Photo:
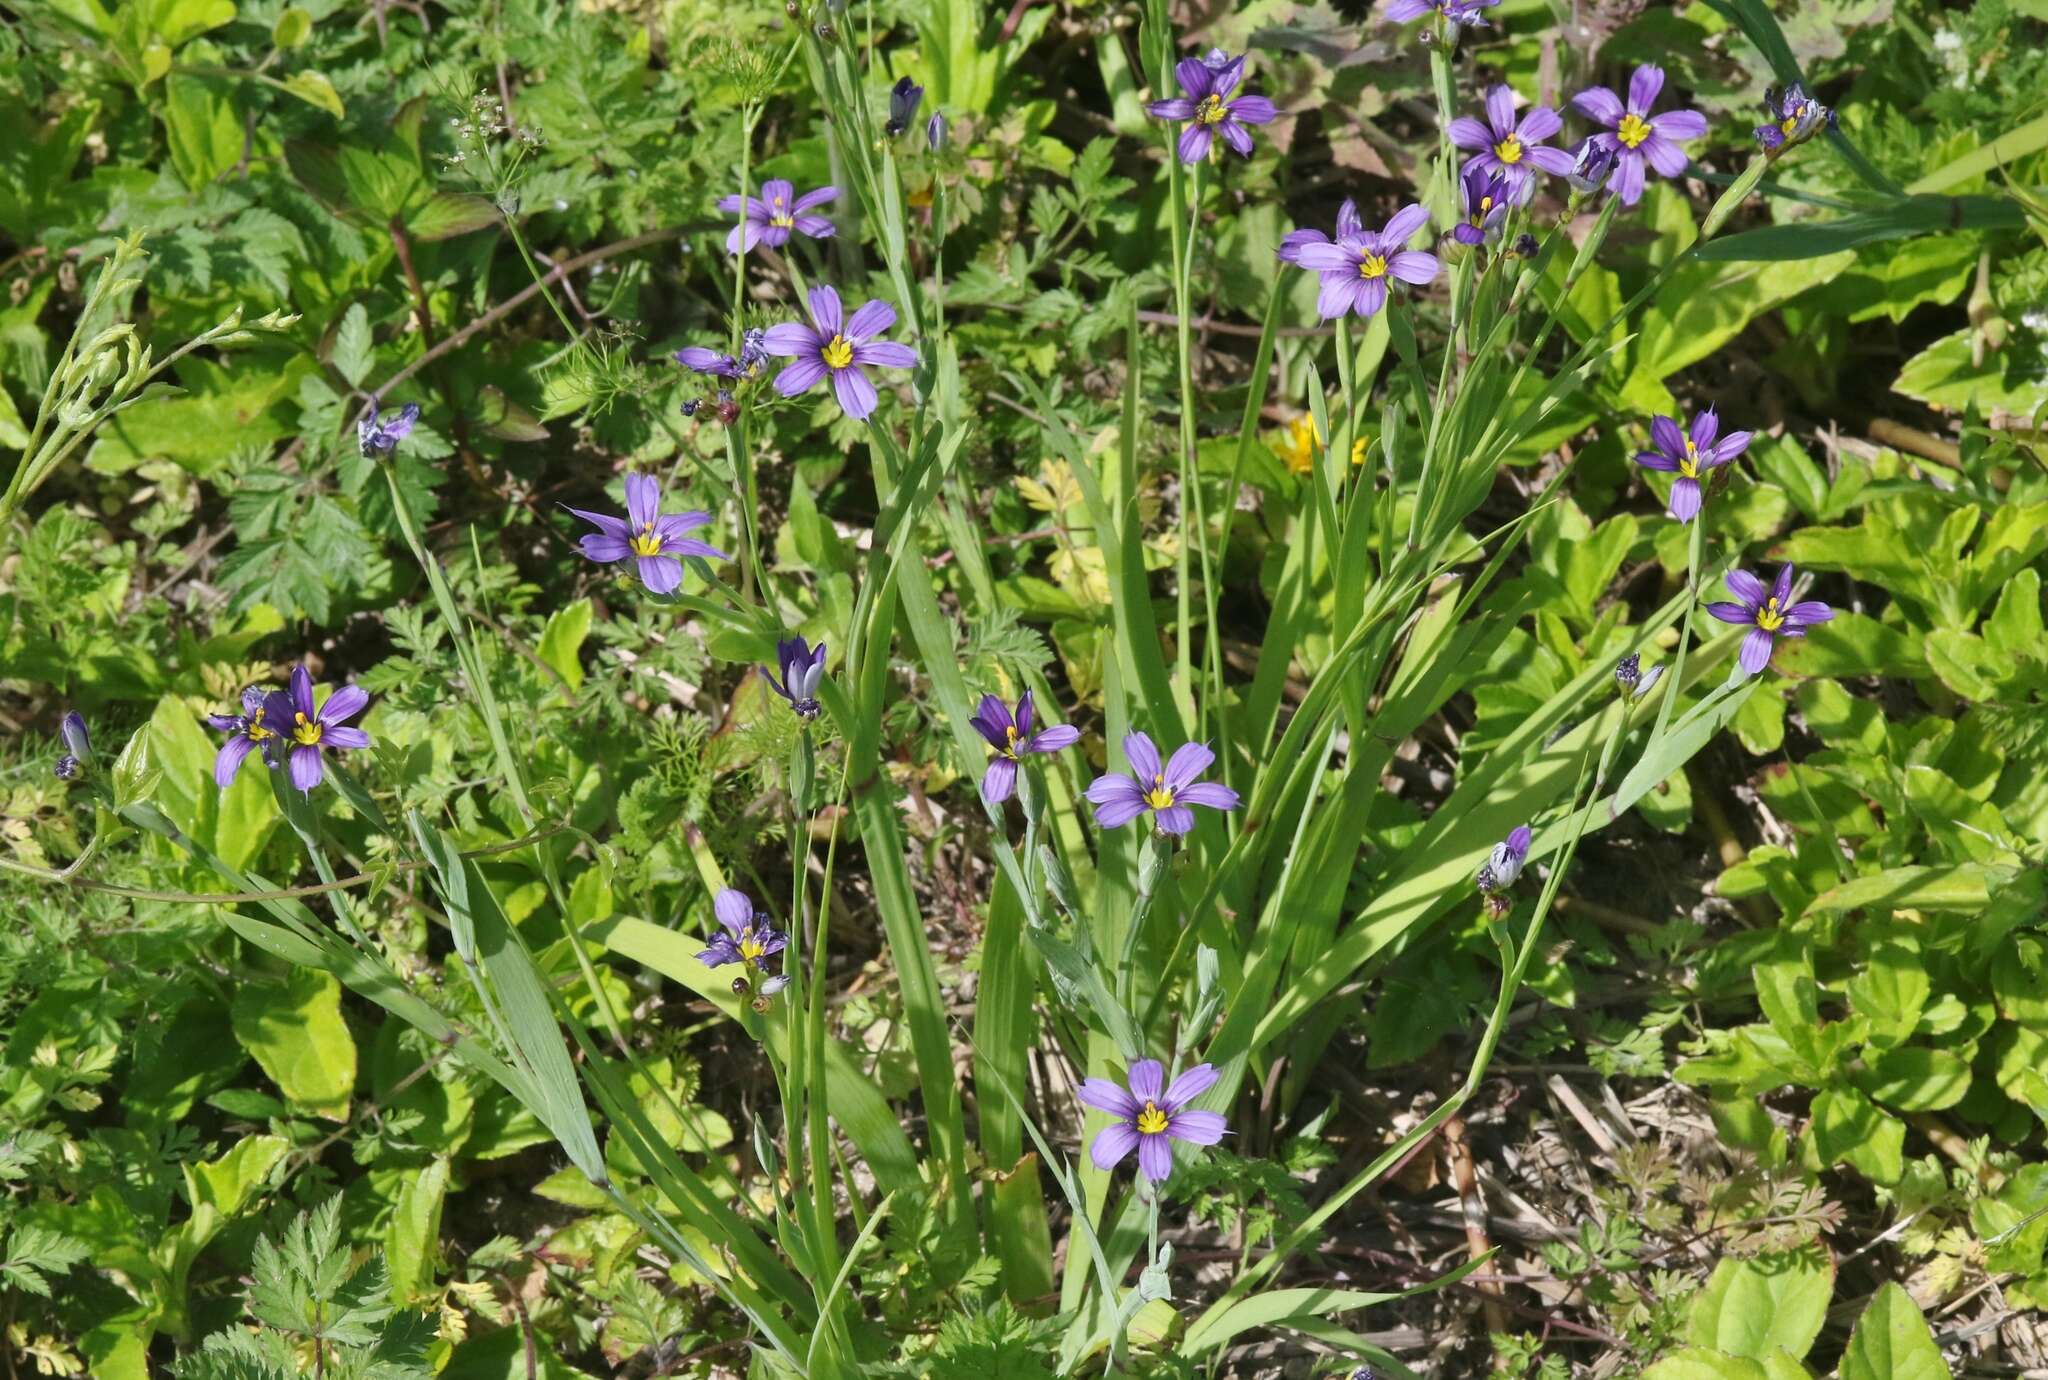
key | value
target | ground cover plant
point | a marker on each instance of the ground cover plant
(887, 690)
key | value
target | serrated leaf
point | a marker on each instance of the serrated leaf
(448, 214)
(354, 350)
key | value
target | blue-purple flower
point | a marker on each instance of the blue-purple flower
(1514, 150)
(1769, 614)
(1349, 227)
(773, 216)
(382, 437)
(1148, 1119)
(1592, 165)
(1482, 205)
(904, 98)
(1637, 134)
(1689, 452)
(1210, 109)
(753, 354)
(1795, 118)
(746, 936)
(1466, 12)
(802, 669)
(837, 346)
(1166, 791)
(78, 746)
(1355, 268)
(1013, 739)
(654, 541)
(307, 732)
(247, 731)
(1504, 865)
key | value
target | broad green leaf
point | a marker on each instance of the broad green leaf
(1891, 1342)
(1696, 1364)
(1962, 888)
(1891, 990)
(1754, 1307)
(448, 214)
(354, 350)
(291, 28)
(412, 1239)
(562, 639)
(1847, 1126)
(295, 1030)
(175, 21)
(1914, 1078)
(228, 1183)
(1946, 376)
(315, 90)
(204, 128)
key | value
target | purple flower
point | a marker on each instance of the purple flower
(802, 669)
(251, 729)
(1767, 614)
(1795, 118)
(747, 936)
(381, 438)
(1499, 871)
(1148, 1120)
(654, 541)
(753, 354)
(78, 742)
(1012, 738)
(1208, 107)
(1592, 165)
(1637, 135)
(306, 733)
(1349, 227)
(1456, 11)
(770, 217)
(1166, 791)
(904, 98)
(838, 347)
(1483, 200)
(1690, 453)
(1355, 269)
(1516, 151)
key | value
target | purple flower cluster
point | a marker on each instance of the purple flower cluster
(1210, 108)
(1150, 1116)
(291, 729)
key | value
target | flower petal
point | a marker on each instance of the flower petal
(800, 377)
(871, 320)
(1155, 1157)
(1806, 613)
(1756, 650)
(228, 760)
(1237, 136)
(1666, 157)
(1213, 794)
(990, 719)
(1324, 257)
(1468, 133)
(1705, 427)
(1179, 108)
(1681, 125)
(1187, 764)
(1197, 1128)
(1335, 296)
(1666, 436)
(661, 574)
(1413, 266)
(1403, 224)
(306, 769)
(817, 227)
(734, 909)
(1142, 756)
(1190, 1085)
(1116, 812)
(885, 354)
(344, 736)
(1746, 587)
(344, 704)
(1732, 613)
(1656, 460)
(301, 693)
(856, 395)
(815, 198)
(825, 312)
(1194, 144)
(1781, 588)
(1500, 110)
(1175, 820)
(1643, 87)
(1113, 1145)
(1370, 295)
(1106, 1095)
(1731, 445)
(1539, 122)
(791, 338)
(1254, 110)
(603, 547)
(1556, 162)
(643, 500)
(1685, 500)
(1348, 223)
(1194, 77)
(999, 780)
(1628, 176)
(1056, 738)
(1599, 105)
(1147, 1080)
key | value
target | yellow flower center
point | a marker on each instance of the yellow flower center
(307, 730)
(750, 945)
(1791, 122)
(1689, 463)
(1768, 617)
(1161, 794)
(1210, 111)
(255, 729)
(1151, 1121)
(784, 221)
(646, 543)
(1633, 129)
(1509, 150)
(838, 354)
(1372, 266)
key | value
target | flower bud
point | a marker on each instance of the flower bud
(904, 99)
(1592, 165)
(72, 730)
(935, 131)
